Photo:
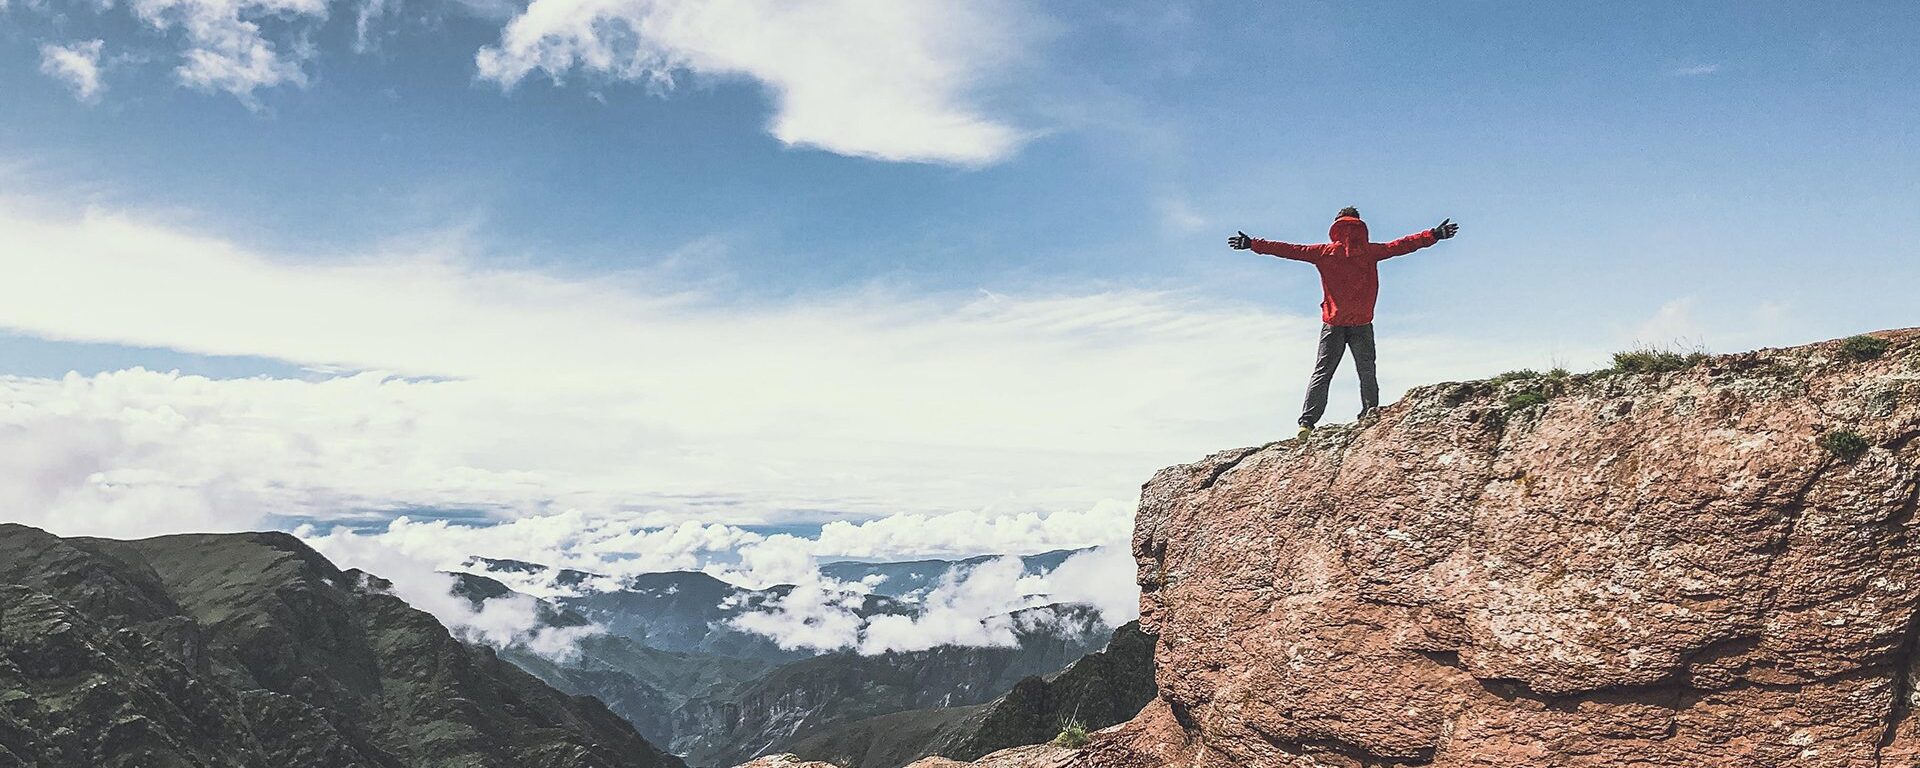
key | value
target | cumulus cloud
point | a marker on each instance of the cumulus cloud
(77, 65)
(225, 48)
(1695, 70)
(889, 79)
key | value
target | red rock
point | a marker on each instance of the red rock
(1648, 570)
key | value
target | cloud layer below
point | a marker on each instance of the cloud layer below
(975, 606)
(508, 393)
(621, 426)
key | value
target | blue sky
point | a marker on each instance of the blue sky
(1562, 137)
(993, 230)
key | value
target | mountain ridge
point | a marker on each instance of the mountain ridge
(251, 649)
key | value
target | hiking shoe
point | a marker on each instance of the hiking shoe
(1305, 429)
(1369, 414)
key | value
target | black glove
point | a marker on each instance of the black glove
(1240, 242)
(1446, 229)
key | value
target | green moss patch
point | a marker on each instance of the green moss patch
(1864, 347)
(1844, 443)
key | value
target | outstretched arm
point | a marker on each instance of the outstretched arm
(1241, 242)
(1419, 240)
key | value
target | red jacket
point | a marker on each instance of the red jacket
(1349, 271)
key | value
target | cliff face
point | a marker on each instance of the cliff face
(253, 650)
(1688, 568)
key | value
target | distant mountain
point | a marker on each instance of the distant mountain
(673, 665)
(243, 650)
(797, 700)
(644, 685)
(689, 612)
(717, 710)
(1102, 689)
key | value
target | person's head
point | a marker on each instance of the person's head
(1348, 228)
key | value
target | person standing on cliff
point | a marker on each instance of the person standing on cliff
(1350, 283)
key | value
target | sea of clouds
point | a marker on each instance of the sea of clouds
(624, 423)
(970, 606)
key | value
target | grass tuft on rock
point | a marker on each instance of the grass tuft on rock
(1073, 735)
(1864, 347)
(1524, 399)
(1529, 387)
(1653, 360)
(1509, 377)
(1844, 443)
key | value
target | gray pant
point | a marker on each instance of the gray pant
(1334, 341)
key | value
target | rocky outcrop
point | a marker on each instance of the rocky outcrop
(250, 650)
(1714, 566)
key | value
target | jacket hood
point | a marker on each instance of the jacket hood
(1348, 230)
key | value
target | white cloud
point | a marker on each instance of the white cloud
(888, 79)
(225, 46)
(369, 12)
(1695, 70)
(967, 532)
(994, 422)
(77, 65)
(969, 607)
(620, 427)
(1102, 577)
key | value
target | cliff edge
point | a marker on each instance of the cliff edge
(1715, 565)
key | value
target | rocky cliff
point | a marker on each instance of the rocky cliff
(251, 650)
(1710, 566)
(1676, 563)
